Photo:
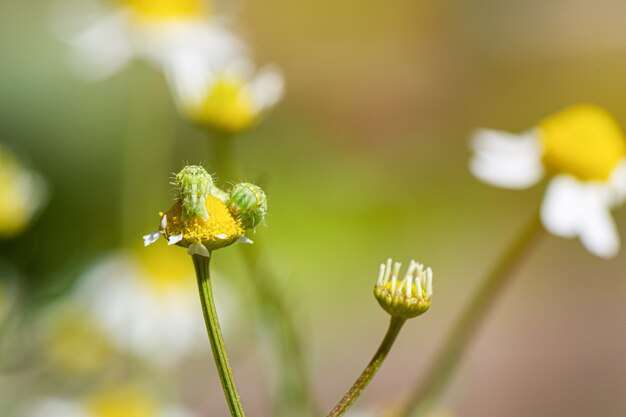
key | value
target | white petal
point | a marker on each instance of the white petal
(103, 48)
(506, 160)
(151, 238)
(561, 209)
(245, 240)
(598, 231)
(575, 209)
(174, 239)
(198, 249)
(618, 182)
(267, 88)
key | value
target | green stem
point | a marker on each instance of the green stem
(201, 264)
(355, 391)
(440, 371)
(275, 317)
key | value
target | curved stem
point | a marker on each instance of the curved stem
(357, 388)
(201, 264)
(442, 368)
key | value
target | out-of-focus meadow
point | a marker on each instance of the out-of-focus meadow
(365, 158)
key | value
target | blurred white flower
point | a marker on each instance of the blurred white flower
(229, 99)
(121, 401)
(147, 303)
(181, 34)
(22, 194)
(585, 150)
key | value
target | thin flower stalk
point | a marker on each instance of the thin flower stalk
(442, 368)
(403, 299)
(395, 325)
(201, 264)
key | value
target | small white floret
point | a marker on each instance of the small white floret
(198, 249)
(243, 239)
(174, 239)
(151, 238)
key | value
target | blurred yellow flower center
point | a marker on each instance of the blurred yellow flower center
(228, 106)
(583, 141)
(167, 9)
(163, 269)
(15, 211)
(123, 402)
(221, 229)
(74, 344)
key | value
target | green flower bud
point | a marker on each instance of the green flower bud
(193, 183)
(406, 298)
(248, 203)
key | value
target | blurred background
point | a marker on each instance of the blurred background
(365, 158)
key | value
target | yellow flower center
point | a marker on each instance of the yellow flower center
(14, 196)
(221, 229)
(228, 106)
(165, 270)
(75, 345)
(167, 9)
(123, 402)
(583, 141)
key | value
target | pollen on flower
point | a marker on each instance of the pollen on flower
(221, 229)
(583, 141)
(227, 106)
(167, 9)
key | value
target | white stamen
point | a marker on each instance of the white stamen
(429, 282)
(151, 238)
(174, 239)
(381, 274)
(418, 285)
(394, 276)
(164, 222)
(245, 240)
(198, 249)
(409, 285)
(387, 270)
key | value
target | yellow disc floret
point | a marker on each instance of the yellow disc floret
(583, 141)
(164, 270)
(167, 9)
(123, 402)
(220, 230)
(228, 105)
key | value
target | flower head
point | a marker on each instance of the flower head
(166, 9)
(230, 99)
(180, 35)
(585, 149)
(22, 194)
(205, 218)
(404, 297)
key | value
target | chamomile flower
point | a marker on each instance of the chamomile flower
(22, 194)
(229, 99)
(584, 150)
(404, 297)
(183, 35)
(146, 303)
(205, 218)
(123, 400)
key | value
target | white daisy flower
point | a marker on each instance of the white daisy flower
(123, 400)
(181, 34)
(585, 150)
(22, 194)
(231, 98)
(147, 303)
